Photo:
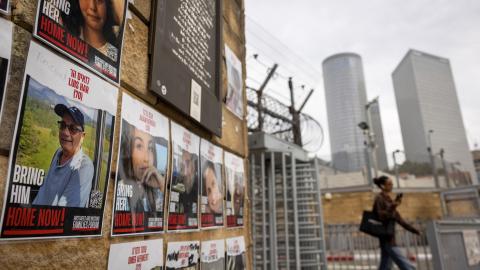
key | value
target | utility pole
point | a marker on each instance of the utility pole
(432, 158)
(396, 167)
(260, 95)
(442, 152)
(371, 135)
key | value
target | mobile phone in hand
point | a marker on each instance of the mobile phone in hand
(399, 196)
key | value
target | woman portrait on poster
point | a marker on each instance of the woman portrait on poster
(211, 188)
(98, 22)
(138, 156)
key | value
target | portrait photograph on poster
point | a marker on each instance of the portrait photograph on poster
(234, 99)
(141, 169)
(6, 31)
(235, 178)
(212, 254)
(183, 255)
(60, 157)
(5, 6)
(236, 257)
(212, 187)
(146, 255)
(184, 182)
(90, 32)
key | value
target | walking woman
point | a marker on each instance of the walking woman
(386, 210)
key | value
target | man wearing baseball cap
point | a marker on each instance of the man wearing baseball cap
(69, 178)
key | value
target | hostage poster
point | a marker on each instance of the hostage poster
(213, 255)
(141, 170)
(234, 100)
(235, 177)
(6, 29)
(212, 187)
(60, 159)
(184, 185)
(5, 6)
(183, 255)
(236, 258)
(136, 255)
(90, 32)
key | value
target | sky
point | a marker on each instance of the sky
(300, 34)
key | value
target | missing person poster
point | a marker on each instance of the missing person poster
(212, 187)
(6, 30)
(60, 158)
(183, 204)
(136, 255)
(213, 255)
(141, 170)
(183, 255)
(234, 100)
(235, 178)
(90, 32)
(236, 258)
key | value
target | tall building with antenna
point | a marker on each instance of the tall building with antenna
(345, 98)
(429, 111)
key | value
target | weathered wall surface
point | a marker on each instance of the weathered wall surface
(92, 253)
(348, 207)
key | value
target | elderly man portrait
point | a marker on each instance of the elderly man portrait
(69, 178)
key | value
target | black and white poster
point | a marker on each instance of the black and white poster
(234, 100)
(212, 185)
(184, 183)
(235, 178)
(183, 255)
(6, 31)
(90, 32)
(236, 256)
(5, 6)
(213, 254)
(60, 157)
(136, 255)
(141, 169)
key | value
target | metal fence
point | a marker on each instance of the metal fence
(348, 248)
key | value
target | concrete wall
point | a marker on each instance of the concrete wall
(92, 253)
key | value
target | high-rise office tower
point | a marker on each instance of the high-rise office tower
(376, 123)
(429, 110)
(346, 99)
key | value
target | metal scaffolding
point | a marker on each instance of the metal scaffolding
(287, 220)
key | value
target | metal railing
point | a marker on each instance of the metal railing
(348, 248)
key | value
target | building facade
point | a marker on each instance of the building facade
(346, 98)
(429, 110)
(476, 162)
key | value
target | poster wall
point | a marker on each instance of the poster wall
(213, 255)
(236, 257)
(234, 99)
(212, 187)
(60, 156)
(184, 184)
(183, 255)
(136, 255)
(6, 30)
(141, 169)
(90, 32)
(5, 6)
(235, 178)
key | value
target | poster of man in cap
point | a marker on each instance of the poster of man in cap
(60, 157)
(88, 31)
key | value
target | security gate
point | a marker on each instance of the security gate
(287, 223)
